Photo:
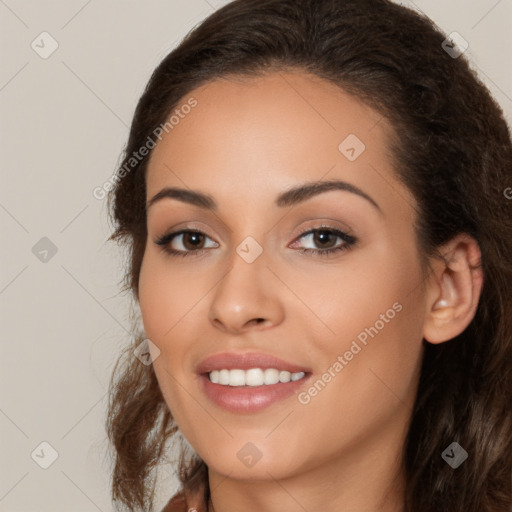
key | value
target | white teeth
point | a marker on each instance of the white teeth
(253, 377)
(224, 377)
(236, 377)
(271, 376)
(284, 376)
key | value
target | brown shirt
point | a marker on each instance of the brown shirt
(185, 502)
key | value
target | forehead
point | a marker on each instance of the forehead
(265, 134)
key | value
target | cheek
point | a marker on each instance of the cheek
(164, 302)
(166, 296)
(365, 290)
(366, 386)
(153, 300)
(372, 342)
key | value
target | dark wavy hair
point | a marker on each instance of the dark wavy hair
(451, 148)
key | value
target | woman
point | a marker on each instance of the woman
(314, 199)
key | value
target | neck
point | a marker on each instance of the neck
(368, 477)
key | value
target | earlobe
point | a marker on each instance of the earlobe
(454, 290)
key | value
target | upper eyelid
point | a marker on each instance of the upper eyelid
(327, 222)
(334, 225)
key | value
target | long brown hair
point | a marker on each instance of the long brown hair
(452, 149)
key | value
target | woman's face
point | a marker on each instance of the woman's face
(258, 281)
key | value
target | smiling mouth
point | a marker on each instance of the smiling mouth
(249, 382)
(250, 391)
(253, 377)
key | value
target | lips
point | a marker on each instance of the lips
(242, 398)
(232, 361)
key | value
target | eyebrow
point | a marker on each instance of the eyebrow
(290, 197)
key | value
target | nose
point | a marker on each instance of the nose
(247, 296)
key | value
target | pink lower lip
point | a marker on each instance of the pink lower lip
(249, 399)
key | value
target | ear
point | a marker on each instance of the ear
(453, 289)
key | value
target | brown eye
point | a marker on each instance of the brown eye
(325, 238)
(325, 241)
(193, 240)
(186, 242)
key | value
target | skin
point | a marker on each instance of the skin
(247, 141)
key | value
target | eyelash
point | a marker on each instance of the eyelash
(349, 240)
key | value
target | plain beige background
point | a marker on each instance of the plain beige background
(64, 122)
